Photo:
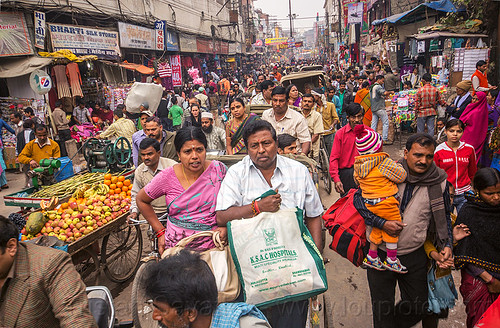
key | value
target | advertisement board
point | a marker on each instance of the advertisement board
(14, 37)
(39, 29)
(138, 37)
(175, 63)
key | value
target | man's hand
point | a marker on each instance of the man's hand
(33, 164)
(132, 216)
(270, 203)
(339, 187)
(446, 253)
(460, 231)
(393, 228)
(222, 234)
(494, 287)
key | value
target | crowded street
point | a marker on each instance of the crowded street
(249, 163)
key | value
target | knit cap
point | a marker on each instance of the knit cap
(367, 141)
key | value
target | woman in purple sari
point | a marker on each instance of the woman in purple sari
(475, 118)
(190, 189)
(294, 98)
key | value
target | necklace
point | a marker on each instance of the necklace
(185, 176)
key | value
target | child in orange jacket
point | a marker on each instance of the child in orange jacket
(377, 176)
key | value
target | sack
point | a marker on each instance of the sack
(220, 262)
(143, 92)
(347, 228)
(442, 291)
(276, 258)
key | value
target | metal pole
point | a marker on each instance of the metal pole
(290, 15)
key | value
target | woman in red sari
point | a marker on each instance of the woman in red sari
(478, 254)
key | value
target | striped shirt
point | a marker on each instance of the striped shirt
(244, 182)
(122, 127)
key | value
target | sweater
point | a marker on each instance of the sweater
(460, 165)
(378, 175)
(33, 151)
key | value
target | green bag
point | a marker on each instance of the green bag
(276, 258)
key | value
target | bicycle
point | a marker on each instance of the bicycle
(324, 164)
(142, 310)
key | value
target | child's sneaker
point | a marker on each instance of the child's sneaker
(375, 263)
(395, 266)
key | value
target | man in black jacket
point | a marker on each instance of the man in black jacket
(162, 112)
(462, 100)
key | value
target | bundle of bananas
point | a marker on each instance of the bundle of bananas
(96, 189)
(80, 191)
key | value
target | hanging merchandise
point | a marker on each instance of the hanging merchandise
(73, 73)
(421, 47)
(60, 81)
(164, 70)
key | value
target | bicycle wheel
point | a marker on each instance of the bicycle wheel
(121, 253)
(87, 264)
(142, 312)
(325, 174)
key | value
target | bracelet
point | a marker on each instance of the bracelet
(491, 280)
(160, 233)
(256, 207)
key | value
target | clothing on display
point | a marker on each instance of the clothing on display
(61, 81)
(164, 69)
(73, 73)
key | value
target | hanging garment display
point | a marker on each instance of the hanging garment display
(164, 69)
(60, 81)
(73, 73)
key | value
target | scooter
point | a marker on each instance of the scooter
(102, 308)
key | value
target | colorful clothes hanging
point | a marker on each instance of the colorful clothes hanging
(164, 70)
(61, 82)
(73, 73)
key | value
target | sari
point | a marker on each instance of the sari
(189, 210)
(236, 133)
(363, 98)
(475, 118)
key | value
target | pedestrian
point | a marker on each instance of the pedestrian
(121, 127)
(162, 112)
(17, 121)
(62, 125)
(294, 98)
(475, 118)
(254, 175)
(264, 98)
(427, 99)
(458, 160)
(480, 78)
(345, 98)
(440, 135)
(287, 144)
(235, 127)
(314, 123)
(195, 118)
(463, 99)
(22, 139)
(138, 136)
(216, 137)
(30, 114)
(425, 211)
(377, 101)
(392, 81)
(329, 116)
(378, 177)
(344, 151)
(476, 255)
(175, 113)
(363, 98)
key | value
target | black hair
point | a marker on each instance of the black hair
(266, 84)
(288, 89)
(365, 84)
(408, 83)
(427, 77)
(18, 115)
(423, 139)
(256, 126)
(285, 140)
(441, 119)
(485, 177)
(40, 127)
(58, 103)
(454, 122)
(183, 281)
(379, 77)
(342, 82)
(480, 63)
(149, 142)
(308, 95)
(187, 134)
(238, 99)
(120, 107)
(155, 119)
(29, 110)
(28, 124)
(494, 93)
(195, 105)
(174, 100)
(118, 112)
(279, 90)
(353, 109)
(8, 231)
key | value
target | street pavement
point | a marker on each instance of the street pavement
(348, 297)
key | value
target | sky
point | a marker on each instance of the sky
(302, 8)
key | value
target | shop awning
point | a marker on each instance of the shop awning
(418, 13)
(18, 66)
(65, 53)
(131, 66)
(433, 35)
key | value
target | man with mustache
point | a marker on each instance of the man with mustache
(216, 137)
(154, 129)
(152, 164)
(425, 211)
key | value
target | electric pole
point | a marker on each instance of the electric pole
(290, 15)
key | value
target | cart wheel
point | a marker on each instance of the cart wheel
(122, 150)
(142, 312)
(325, 174)
(121, 253)
(87, 265)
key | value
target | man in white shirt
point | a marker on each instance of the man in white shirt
(264, 98)
(216, 137)
(286, 120)
(263, 169)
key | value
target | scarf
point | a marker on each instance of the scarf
(460, 100)
(475, 118)
(431, 179)
(482, 247)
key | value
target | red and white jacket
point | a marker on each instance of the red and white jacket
(460, 165)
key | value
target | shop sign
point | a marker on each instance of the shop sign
(172, 41)
(188, 43)
(138, 37)
(84, 40)
(291, 45)
(208, 46)
(175, 63)
(14, 37)
(273, 41)
(160, 28)
(355, 12)
(39, 29)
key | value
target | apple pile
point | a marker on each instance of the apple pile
(78, 218)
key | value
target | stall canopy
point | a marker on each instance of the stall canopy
(419, 12)
(132, 66)
(434, 35)
(18, 66)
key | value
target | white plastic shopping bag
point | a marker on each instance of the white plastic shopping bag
(143, 92)
(276, 258)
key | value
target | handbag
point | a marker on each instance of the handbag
(347, 228)
(276, 258)
(442, 291)
(219, 260)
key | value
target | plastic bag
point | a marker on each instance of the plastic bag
(143, 92)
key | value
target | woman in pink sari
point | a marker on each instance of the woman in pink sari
(190, 189)
(475, 118)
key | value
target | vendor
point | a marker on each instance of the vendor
(81, 114)
(40, 148)
(121, 127)
(62, 124)
(103, 114)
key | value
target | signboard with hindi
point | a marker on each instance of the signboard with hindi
(138, 37)
(83, 40)
(271, 41)
(160, 29)
(14, 37)
(39, 29)
(175, 63)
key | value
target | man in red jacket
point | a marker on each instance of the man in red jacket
(480, 78)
